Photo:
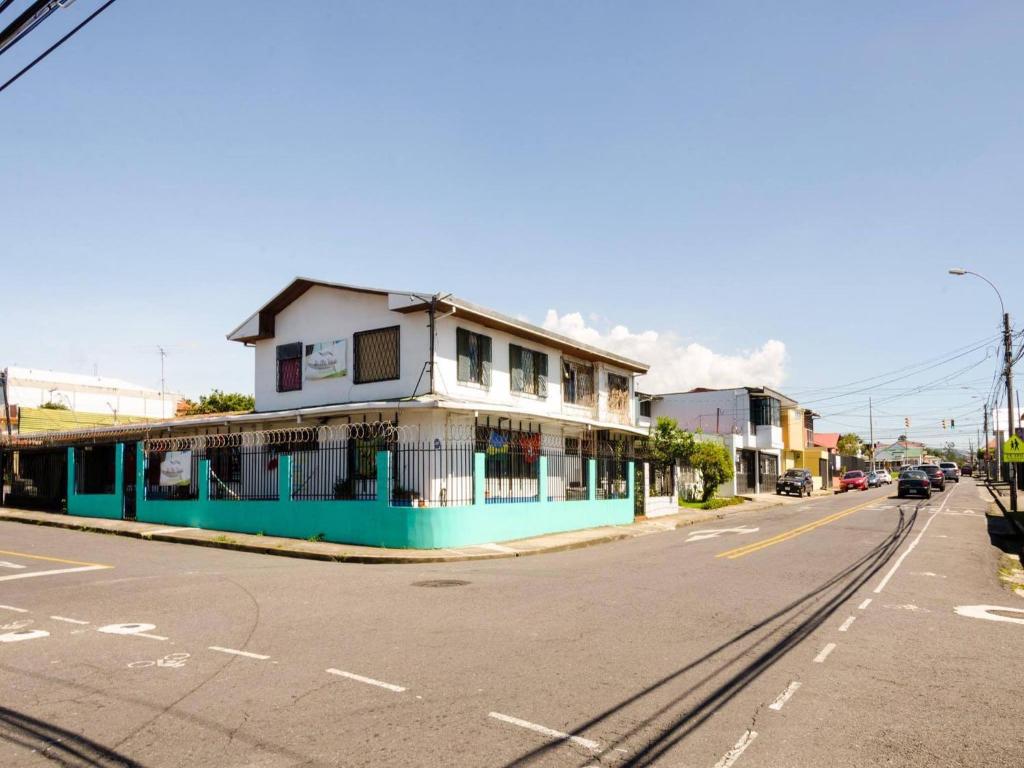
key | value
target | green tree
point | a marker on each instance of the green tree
(715, 466)
(669, 443)
(51, 406)
(220, 402)
(849, 445)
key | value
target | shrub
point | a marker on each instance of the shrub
(714, 464)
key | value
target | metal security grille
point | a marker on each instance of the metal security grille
(94, 469)
(289, 367)
(432, 475)
(345, 470)
(376, 355)
(38, 480)
(567, 473)
(612, 482)
(663, 480)
(511, 465)
(182, 492)
(243, 473)
(578, 383)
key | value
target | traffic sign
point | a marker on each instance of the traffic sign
(1013, 450)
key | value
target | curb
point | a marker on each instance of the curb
(239, 546)
(631, 531)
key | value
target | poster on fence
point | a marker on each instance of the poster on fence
(176, 468)
(325, 360)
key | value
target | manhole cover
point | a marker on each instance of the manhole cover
(440, 583)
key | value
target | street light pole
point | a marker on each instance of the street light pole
(1008, 363)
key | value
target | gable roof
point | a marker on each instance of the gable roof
(828, 440)
(260, 325)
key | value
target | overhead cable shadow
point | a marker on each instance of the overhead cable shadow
(57, 744)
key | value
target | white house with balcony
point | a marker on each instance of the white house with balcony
(336, 352)
(749, 421)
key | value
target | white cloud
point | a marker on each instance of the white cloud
(675, 365)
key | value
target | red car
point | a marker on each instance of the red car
(854, 481)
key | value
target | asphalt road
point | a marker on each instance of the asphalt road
(823, 633)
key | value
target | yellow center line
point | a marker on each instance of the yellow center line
(747, 549)
(52, 559)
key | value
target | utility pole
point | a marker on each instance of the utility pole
(163, 406)
(1011, 424)
(871, 429)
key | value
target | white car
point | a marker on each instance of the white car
(883, 476)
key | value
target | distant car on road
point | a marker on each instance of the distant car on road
(798, 481)
(883, 476)
(967, 470)
(854, 480)
(873, 481)
(935, 475)
(950, 470)
(914, 482)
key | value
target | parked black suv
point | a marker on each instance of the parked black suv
(798, 481)
(935, 475)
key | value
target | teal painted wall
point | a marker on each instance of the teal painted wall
(377, 523)
(108, 505)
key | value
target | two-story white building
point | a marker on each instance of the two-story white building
(333, 353)
(749, 420)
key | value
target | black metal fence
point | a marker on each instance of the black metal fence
(173, 475)
(567, 475)
(511, 465)
(344, 470)
(38, 479)
(243, 473)
(94, 469)
(612, 478)
(432, 474)
(662, 480)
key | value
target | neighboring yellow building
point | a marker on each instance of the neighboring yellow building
(799, 449)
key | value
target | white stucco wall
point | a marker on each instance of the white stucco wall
(326, 314)
(723, 411)
(31, 388)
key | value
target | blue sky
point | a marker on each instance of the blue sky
(723, 174)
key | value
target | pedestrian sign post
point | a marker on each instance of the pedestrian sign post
(1013, 450)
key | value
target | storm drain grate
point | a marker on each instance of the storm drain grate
(440, 583)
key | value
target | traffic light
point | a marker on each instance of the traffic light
(952, 423)
(943, 423)
(906, 422)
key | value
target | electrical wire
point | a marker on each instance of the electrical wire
(57, 44)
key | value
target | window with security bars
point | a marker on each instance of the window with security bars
(578, 383)
(474, 357)
(529, 370)
(618, 393)
(289, 367)
(376, 356)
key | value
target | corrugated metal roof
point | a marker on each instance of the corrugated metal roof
(56, 420)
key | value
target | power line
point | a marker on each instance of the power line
(57, 44)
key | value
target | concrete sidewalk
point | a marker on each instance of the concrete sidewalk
(354, 553)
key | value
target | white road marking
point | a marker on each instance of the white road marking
(232, 651)
(168, 530)
(783, 697)
(33, 574)
(174, 660)
(729, 758)
(13, 625)
(984, 612)
(927, 573)
(69, 621)
(550, 732)
(23, 634)
(908, 607)
(914, 543)
(846, 624)
(865, 604)
(136, 630)
(367, 680)
(12, 608)
(824, 653)
(714, 533)
(5, 564)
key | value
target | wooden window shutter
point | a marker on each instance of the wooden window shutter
(462, 352)
(485, 360)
